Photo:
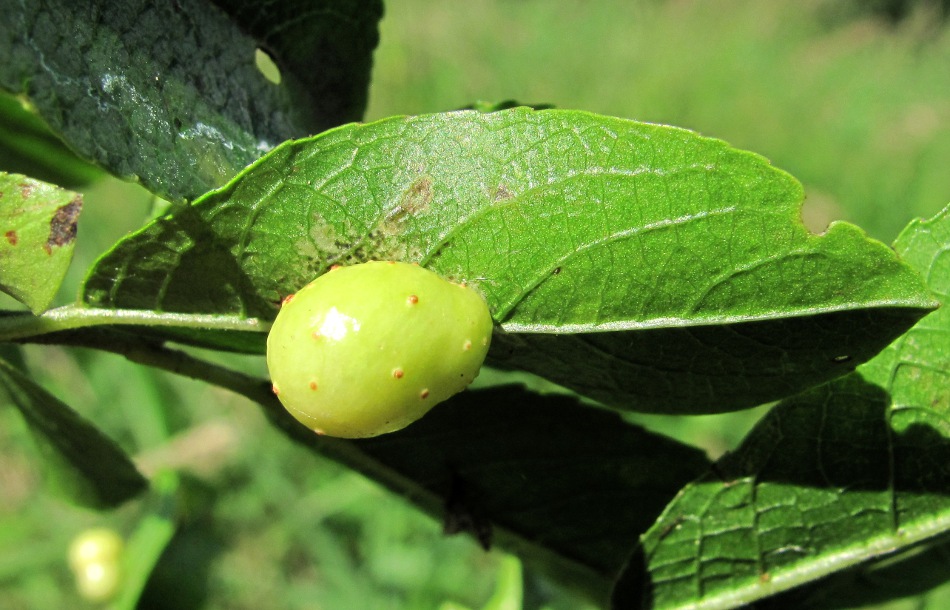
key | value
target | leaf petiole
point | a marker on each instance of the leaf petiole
(15, 325)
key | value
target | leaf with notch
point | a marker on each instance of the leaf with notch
(586, 234)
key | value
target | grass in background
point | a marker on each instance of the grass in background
(856, 109)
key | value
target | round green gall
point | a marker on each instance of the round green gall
(370, 348)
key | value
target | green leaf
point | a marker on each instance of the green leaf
(646, 265)
(832, 479)
(705, 369)
(37, 234)
(915, 370)
(168, 92)
(338, 34)
(485, 106)
(83, 464)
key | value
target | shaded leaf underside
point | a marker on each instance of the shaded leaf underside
(584, 486)
(27, 146)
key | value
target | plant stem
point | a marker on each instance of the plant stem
(22, 325)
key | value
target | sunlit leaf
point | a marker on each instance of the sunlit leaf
(37, 235)
(644, 265)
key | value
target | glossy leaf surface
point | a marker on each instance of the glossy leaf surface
(167, 92)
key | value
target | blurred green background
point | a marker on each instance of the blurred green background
(855, 105)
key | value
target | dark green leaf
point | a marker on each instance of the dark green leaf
(37, 234)
(13, 355)
(582, 489)
(168, 92)
(147, 337)
(653, 254)
(484, 106)
(834, 478)
(324, 47)
(703, 369)
(83, 464)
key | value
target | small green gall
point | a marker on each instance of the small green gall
(368, 349)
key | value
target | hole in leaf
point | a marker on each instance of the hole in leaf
(265, 63)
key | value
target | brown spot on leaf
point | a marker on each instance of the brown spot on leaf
(12, 237)
(415, 200)
(26, 189)
(501, 193)
(62, 227)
